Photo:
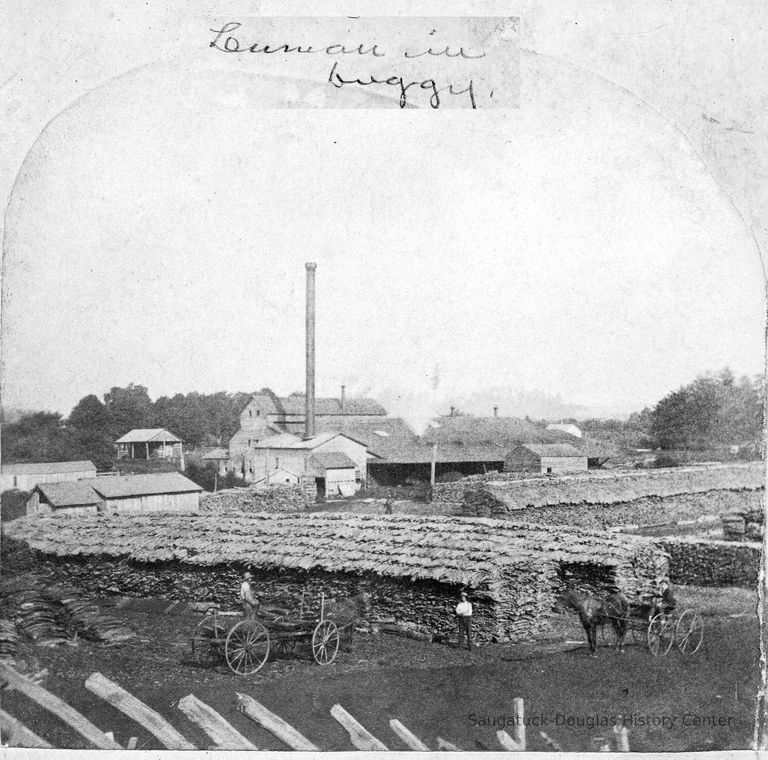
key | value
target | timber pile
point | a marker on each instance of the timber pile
(605, 487)
(701, 562)
(9, 639)
(277, 498)
(509, 567)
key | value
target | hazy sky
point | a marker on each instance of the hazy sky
(577, 245)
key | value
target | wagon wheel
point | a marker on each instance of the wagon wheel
(247, 647)
(206, 641)
(689, 632)
(325, 642)
(661, 634)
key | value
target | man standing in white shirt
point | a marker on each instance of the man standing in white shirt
(247, 598)
(464, 616)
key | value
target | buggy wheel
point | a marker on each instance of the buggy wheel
(689, 632)
(661, 635)
(247, 647)
(325, 642)
(206, 641)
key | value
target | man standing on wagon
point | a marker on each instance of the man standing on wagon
(249, 601)
(464, 617)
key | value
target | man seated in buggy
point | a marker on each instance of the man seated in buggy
(660, 602)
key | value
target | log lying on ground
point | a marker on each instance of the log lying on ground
(134, 708)
(223, 733)
(274, 724)
(407, 736)
(360, 737)
(16, 734)
(58, 707)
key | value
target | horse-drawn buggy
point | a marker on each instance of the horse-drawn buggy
(658, 630)
(247, 645)
(651, 621)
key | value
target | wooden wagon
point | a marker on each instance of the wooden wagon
(246, 645)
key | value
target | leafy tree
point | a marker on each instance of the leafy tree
(40, 437)
(128, 408)
(89, 424)
(711, 412)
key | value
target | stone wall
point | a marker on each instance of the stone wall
(699, 562)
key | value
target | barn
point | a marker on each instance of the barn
(545, 458)
(413, 566)
(161, 492)
(25, 477)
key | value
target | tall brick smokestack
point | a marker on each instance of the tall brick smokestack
(309, 409)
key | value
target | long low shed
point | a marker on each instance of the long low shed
(413, 566)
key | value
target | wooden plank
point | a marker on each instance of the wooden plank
(409, 738)
(360, 737)
(508, 742)
(447, 746)
(223, 733)
(518, 726)
(58, 707)
(274, 724)
(550, 742)
(134, 708)
(16, 734)
(622, 738)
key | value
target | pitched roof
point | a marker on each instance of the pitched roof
(290, 441)
(116, 487)
(330, 460)
(72, 493)
(384, 437)
(505, 431)
(455, 550)
(148, 435)
(565, 427)
(295, 405)
(42, 468)
(552, 449)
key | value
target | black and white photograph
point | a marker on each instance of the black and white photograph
(383, 377)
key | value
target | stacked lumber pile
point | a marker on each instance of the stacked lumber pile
(277, 498)
(9, 639)
(702, 562)
(422, 561)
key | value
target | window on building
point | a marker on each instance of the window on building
(258, 412)
(250, 412)
(277, 462)
(549, 470)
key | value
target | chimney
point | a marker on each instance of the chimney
(343, 387)
(495, 411)
(309, 409)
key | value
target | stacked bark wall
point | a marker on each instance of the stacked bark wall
(278, 498)
(429, 605)
(712, 563)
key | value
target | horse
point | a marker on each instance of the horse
(346, 613)
(593, 611)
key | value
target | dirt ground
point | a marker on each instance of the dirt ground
(675, 703)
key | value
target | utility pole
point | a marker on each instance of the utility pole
(434, 464)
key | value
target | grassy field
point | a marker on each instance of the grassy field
(435, 690)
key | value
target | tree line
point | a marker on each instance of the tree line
(94, 425)
(713, 411)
